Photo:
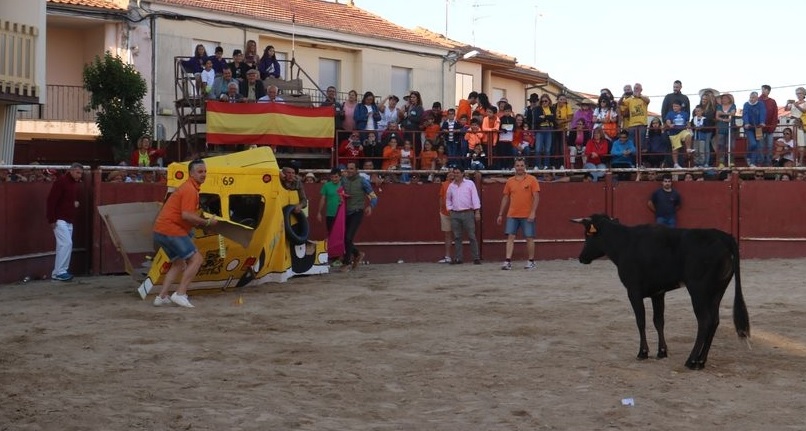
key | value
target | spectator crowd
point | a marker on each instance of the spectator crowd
(400, 134)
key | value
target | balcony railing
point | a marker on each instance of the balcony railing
(65, 103)
(17, 59)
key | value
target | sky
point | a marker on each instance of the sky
(587, 45)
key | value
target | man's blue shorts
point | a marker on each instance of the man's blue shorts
(513, 224)
(176, 247)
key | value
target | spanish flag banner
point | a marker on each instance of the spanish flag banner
(270, 124)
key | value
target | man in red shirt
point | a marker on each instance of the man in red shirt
(172, 232)
(771, 122)
(62, 206)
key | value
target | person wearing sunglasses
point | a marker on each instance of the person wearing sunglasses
(784, 150)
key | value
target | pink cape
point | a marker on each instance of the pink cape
(335, 241)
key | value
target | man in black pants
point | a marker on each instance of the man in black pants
(357, 190)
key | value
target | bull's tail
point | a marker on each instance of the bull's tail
(741, 320)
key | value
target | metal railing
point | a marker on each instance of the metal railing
(564, 153)
(17, 59)
(64, 103)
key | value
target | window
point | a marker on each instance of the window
(464, 85)
(498, 94)
(281, 58)
(401, 81)
(329, 72)
(210, 203)
(246, 209)
(209, 46)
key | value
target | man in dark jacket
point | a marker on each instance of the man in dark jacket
(252, 89)
(62, 206)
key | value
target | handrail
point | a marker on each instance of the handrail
(64, 103)
(18, 43)
(735, 151)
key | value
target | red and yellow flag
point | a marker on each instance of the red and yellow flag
(269, 124)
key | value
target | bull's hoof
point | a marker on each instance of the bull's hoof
(695, 365)
(642, 354)
(662, 353)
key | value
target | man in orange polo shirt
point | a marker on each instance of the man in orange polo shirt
(172, 232)
(521, 194)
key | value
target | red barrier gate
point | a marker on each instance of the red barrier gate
(764, 215)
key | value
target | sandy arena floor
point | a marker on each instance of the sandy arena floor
(398, 347)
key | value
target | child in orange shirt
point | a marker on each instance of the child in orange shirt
(428, 155)
(475, 136)
(441, 160)
(491, 125)
(432, 129)
(391, 155)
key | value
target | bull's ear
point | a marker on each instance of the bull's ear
(581, 220)
(592, 229)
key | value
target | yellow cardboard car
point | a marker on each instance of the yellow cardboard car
(258, 238)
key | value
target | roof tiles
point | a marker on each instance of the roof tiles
(338, 17)
(101, 4)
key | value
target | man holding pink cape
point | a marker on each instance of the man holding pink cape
(333, 201)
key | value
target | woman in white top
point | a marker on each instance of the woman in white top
(389, 111)
(797, 111)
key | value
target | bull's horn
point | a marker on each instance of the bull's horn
(581, 220)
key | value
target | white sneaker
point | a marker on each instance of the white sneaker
(506, 266)
(530, 264)
(445, 259)
(181, 300)
(162, 302)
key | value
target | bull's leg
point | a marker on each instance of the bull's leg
(640, 320)
(707, 321)
(713, 324)
(658, 307)
(709, 338)
(705, 300)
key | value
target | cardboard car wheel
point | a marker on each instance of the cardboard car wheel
(298, 233)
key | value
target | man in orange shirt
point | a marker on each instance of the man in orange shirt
(445, 217)
(465, 106)
(172, 232)
(521, 194)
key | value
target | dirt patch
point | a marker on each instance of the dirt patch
(398, 347)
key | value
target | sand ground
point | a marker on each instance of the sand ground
(398, 347)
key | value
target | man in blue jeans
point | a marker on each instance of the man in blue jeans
(357, 190)
(665, 202)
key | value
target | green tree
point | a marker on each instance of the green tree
(117, 93)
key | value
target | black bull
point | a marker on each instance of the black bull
(653, 260)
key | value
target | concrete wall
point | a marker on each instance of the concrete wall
(515, 91)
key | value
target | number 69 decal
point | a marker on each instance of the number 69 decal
(228, 181)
